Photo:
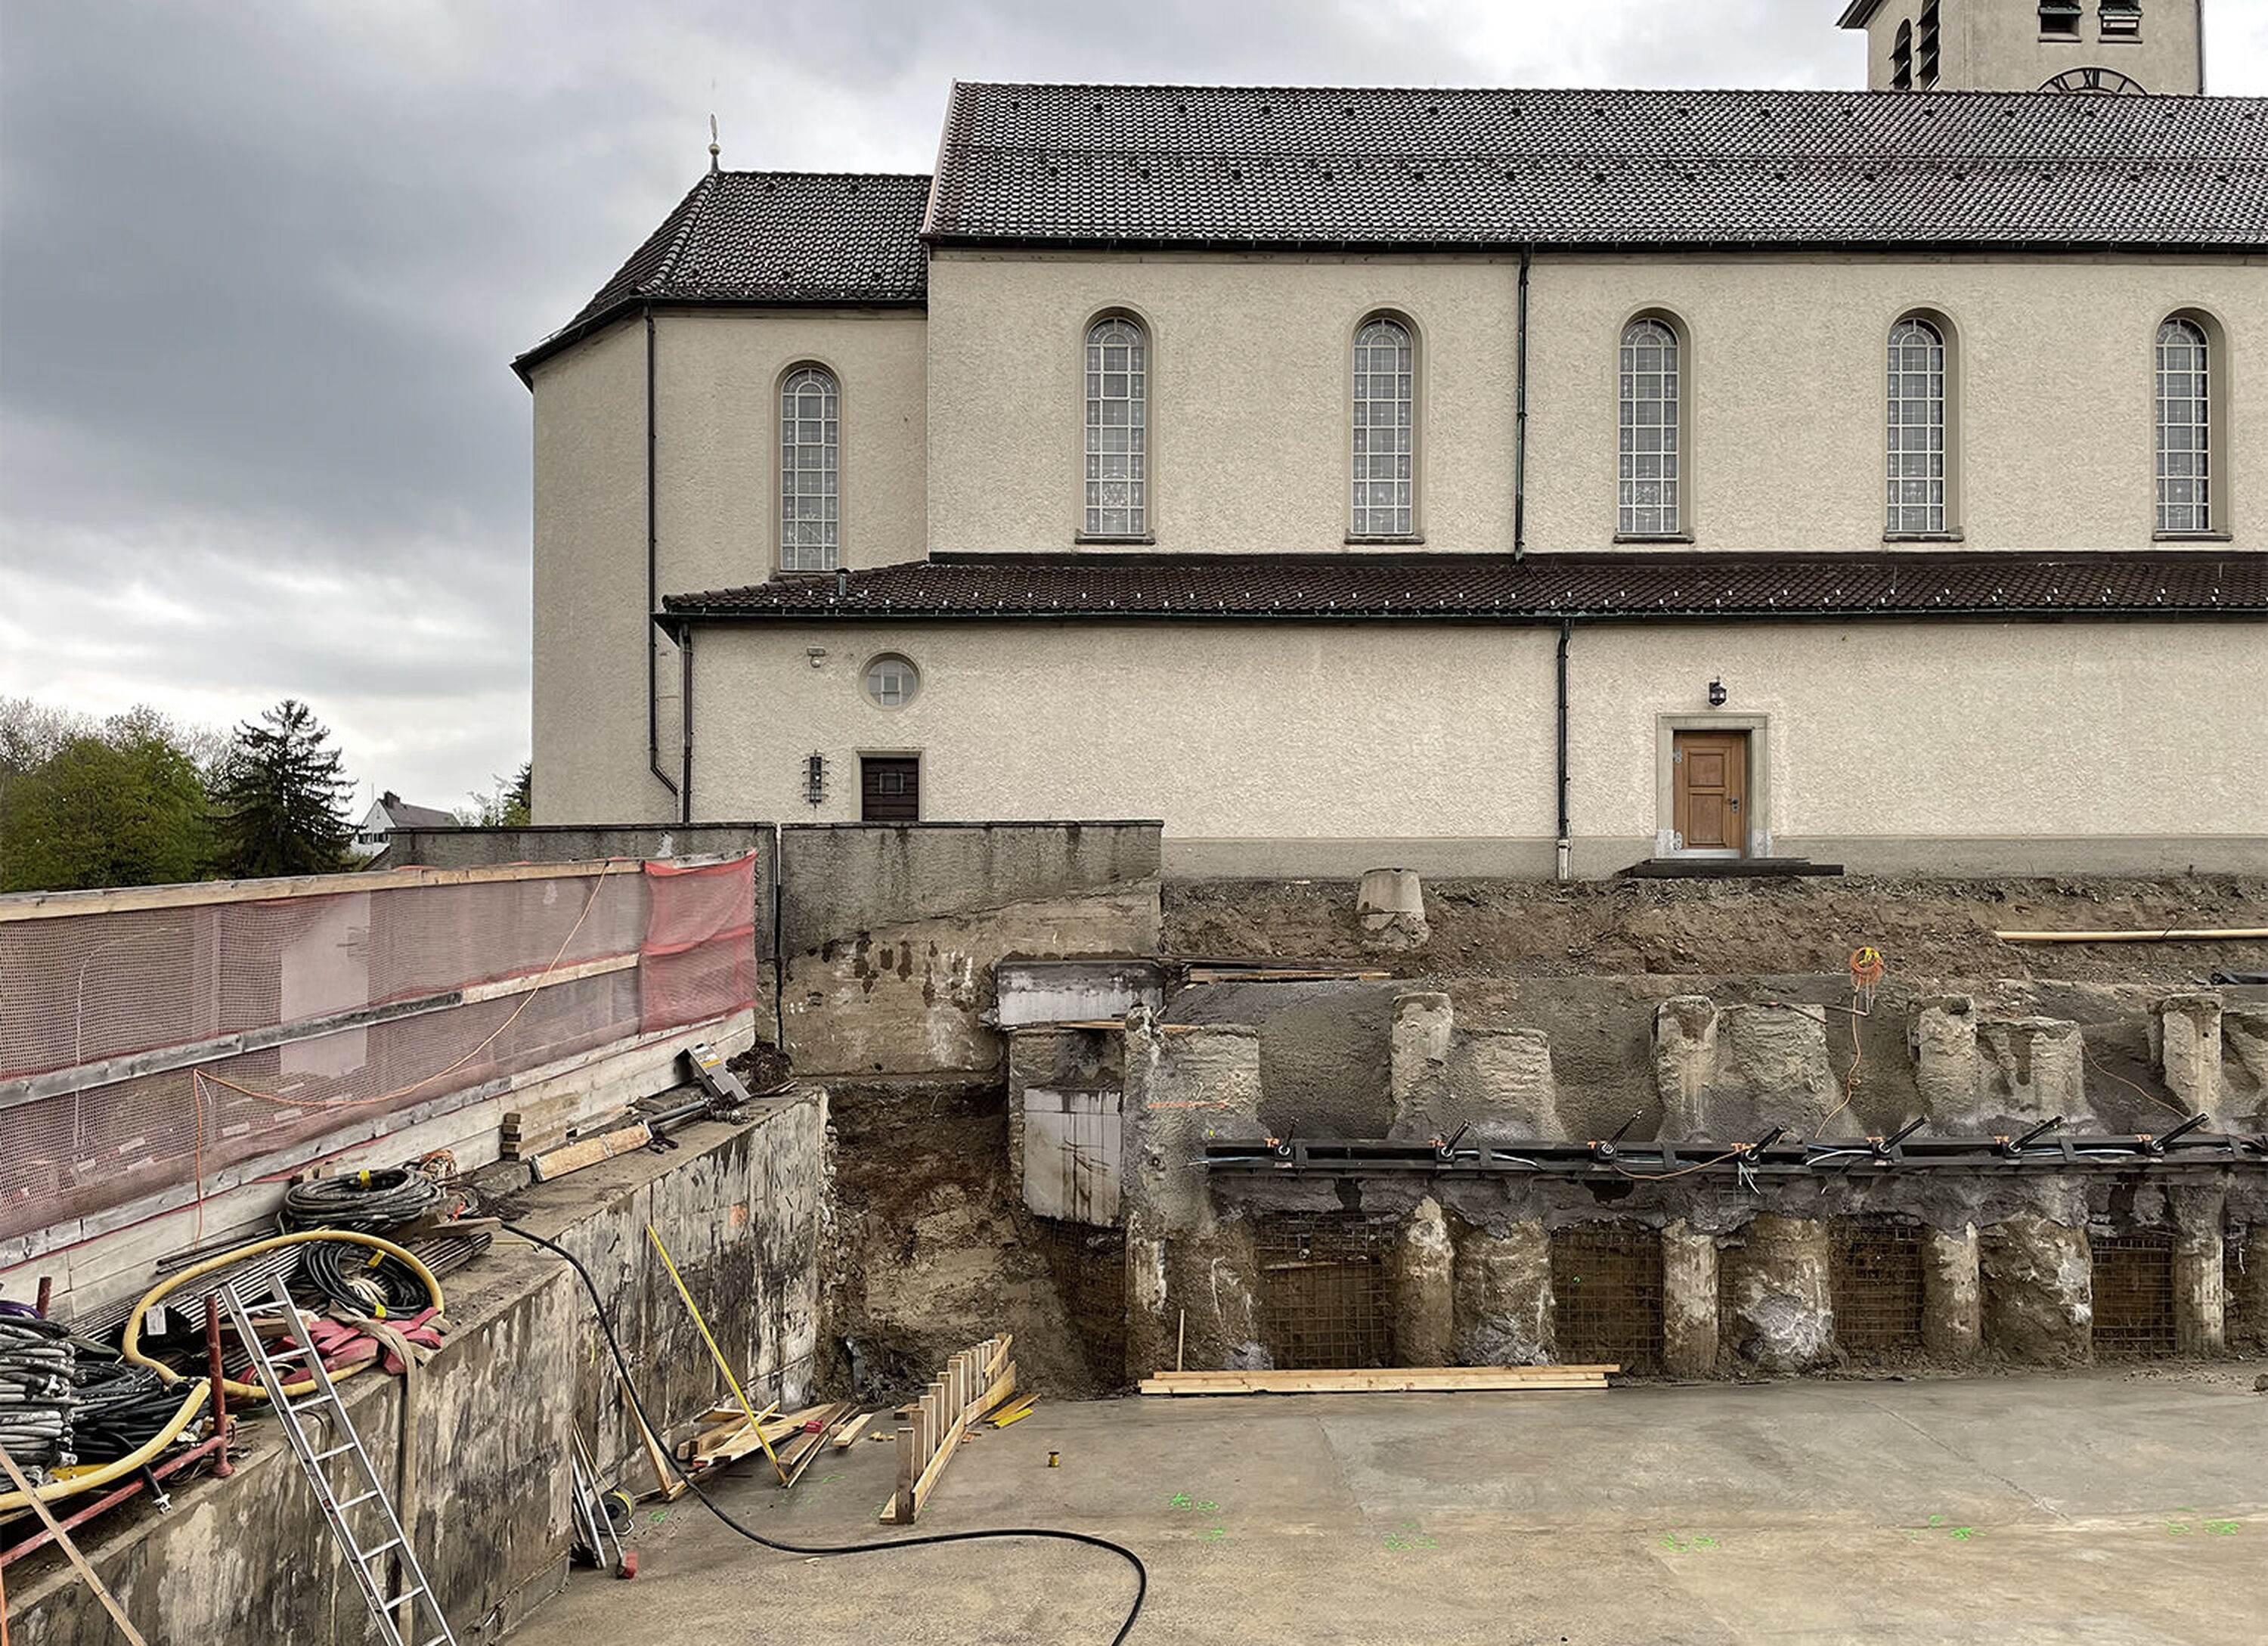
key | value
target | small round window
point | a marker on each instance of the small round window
(892, 682)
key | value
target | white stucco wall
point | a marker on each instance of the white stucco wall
(2054, 412)
(1250, 396)
(1249, 385)
(716, 453)
(1326, 748)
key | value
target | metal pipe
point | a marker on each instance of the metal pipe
(653, 574)
(685, 722)
(1567, 836)
(1520, 423)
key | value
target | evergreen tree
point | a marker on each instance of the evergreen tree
(276, 803)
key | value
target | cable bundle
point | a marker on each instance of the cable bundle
(119, 1409)
(367, 1201)
(36, 1396)
(360, 1281)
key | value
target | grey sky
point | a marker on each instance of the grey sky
(261, 266)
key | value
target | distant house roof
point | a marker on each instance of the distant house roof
(1317, 166)
(771, 237)
(1475, 587)
(400, 813)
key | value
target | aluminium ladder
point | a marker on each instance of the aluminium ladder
(361, 1490)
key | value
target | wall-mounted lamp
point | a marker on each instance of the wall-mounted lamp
(816, 653)
(814, 778)
(1716, 694)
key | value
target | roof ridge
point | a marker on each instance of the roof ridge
(1820, 92)
(862, 177)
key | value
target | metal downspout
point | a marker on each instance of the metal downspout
(652, 581)
(1567, 838)
(685, 722)
(1520, 421)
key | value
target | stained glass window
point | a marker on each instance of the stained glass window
(1651, 437)
(809, 448)
(1385, 489)
(1917, 429)
(2184, 431)
(1117, 431)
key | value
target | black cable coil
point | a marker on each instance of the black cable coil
(360, 1280)
(121, 1407)
(366, 1201)
(36, 1398)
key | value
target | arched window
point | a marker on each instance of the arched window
(1385, 430)
(1651, 435)
(2184, 429)
(1902, 58)
(1117, 431)
(1927, 67)
(808, 452)
(1917, 429)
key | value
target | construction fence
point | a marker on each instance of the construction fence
(150, 1038)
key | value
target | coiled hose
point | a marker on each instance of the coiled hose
(361, 1281)
(629, 1387)
(120, 1409)
(365, 1200)
(36, 1397)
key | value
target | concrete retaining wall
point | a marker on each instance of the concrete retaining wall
(249, 1559)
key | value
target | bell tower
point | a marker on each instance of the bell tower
(2087, 47)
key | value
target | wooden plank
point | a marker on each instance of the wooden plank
(64, 1541)
(49, 905)
(1392, 1371)
(1266, 1382)
(668, 1484)
(575, 1156)
(851, 1430)
(2171, 934)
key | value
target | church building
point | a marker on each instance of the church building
(1486, 482)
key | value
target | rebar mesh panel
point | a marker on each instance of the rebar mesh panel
(2133, 1295)
(1607, 1282)
(1876, 1276)
(1323, 1293)
(1089, 1266)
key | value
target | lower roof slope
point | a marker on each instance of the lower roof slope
(1472, 587)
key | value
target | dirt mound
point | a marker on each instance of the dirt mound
(1925, 928)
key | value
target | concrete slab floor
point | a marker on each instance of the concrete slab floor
(2105, 1506)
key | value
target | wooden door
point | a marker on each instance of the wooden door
(889, 788)
(1710, 772)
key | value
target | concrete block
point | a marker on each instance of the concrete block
(2039, 1290)
(1729, 1072)
(2200, 1298)
(2185, 1043)
(1501, 1086)
(1689, 1313)
(1942, 1035)
(1778, 1307)
(1425, 1303)
(1180, 1089)
(1391, 907)
(1504, 1301)
(1952, 1293)
(2244, 1067)
(2030, 1067)
(1417, 1076)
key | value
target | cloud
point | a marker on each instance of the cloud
(262, 266)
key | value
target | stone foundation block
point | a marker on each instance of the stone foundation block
(2031, 1067)
(2200, 1298)
(2039, 1290)
(2185, 1042)
(1391, 906)
(1684, 1061)
(1779, 1308)
(1690, 1322)
(1942, 1035)
(1417, 1063)
(1952, 1293)
(1425, 1300)
(1503, 1297)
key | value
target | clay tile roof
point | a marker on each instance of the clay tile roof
(1315, 166)
(1540, 589)
(772, 237)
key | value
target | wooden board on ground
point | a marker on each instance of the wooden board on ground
(851, 1430)
(1002, 1416)
(559, 1162)
(796, 1456)
(1382, 1380)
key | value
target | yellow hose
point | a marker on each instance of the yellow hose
(131, 1343)
(55, 1491)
